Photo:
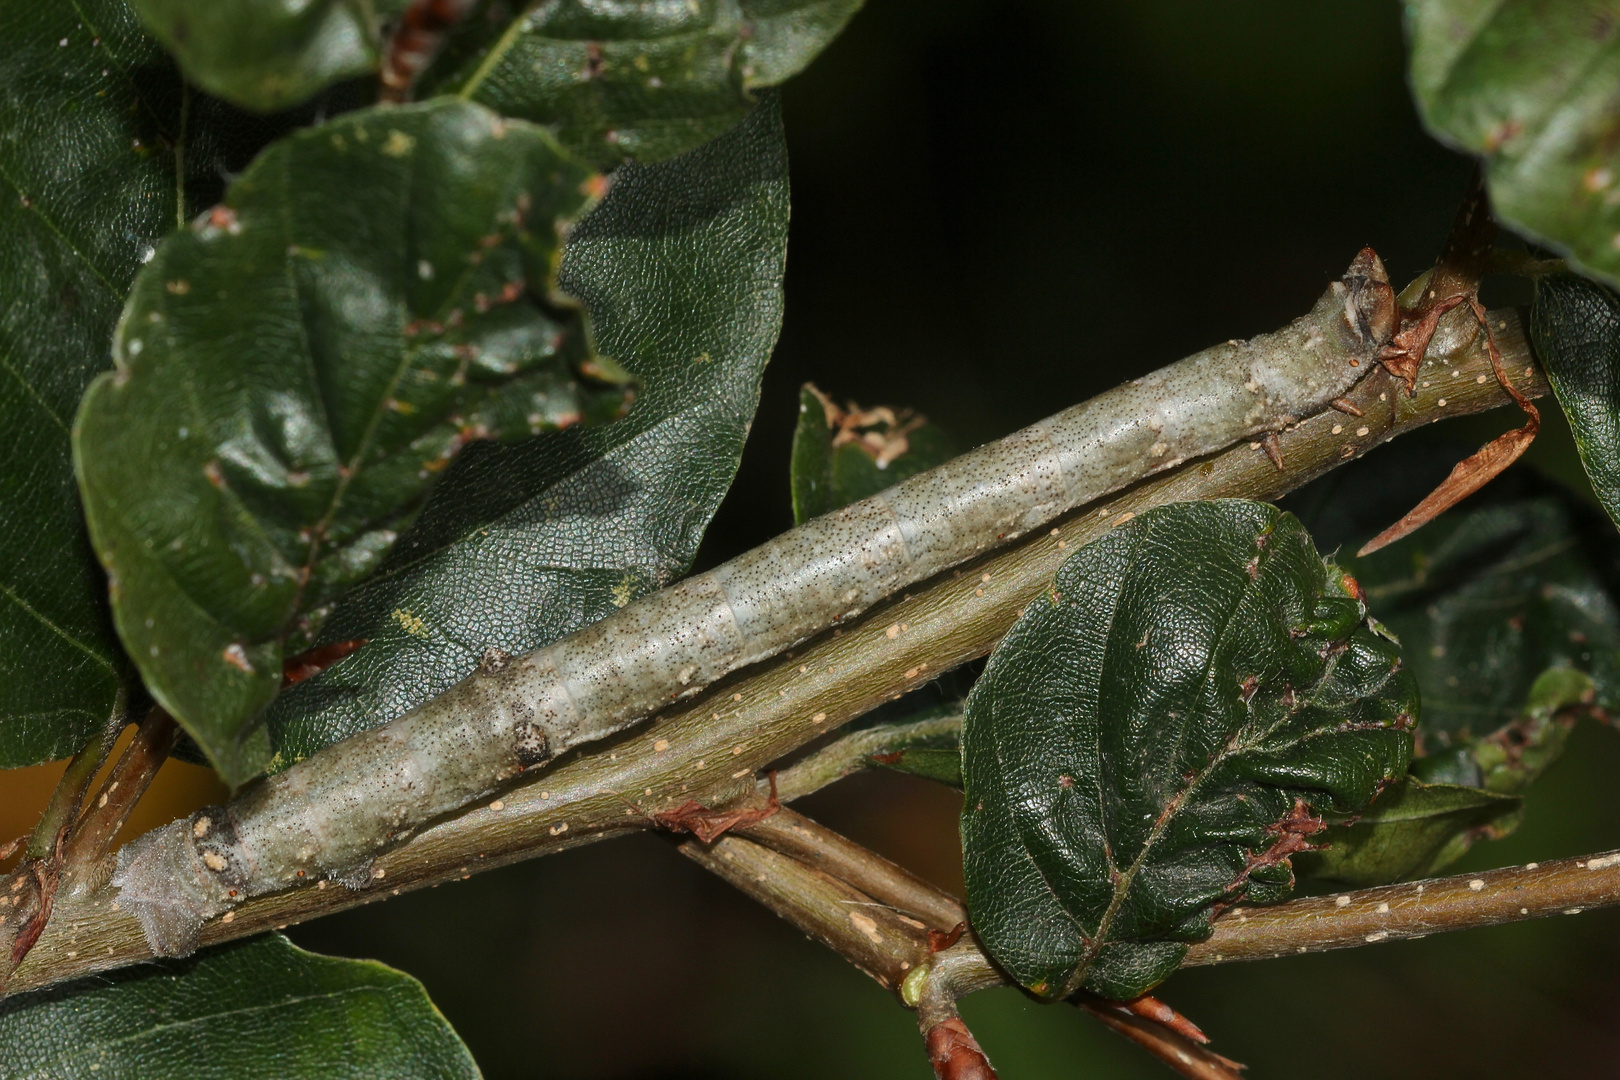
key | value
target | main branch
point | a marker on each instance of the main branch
(710, 747)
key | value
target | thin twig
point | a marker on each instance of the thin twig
(85, 858)
(1413, 910)
(704, 748)
(817, 893)
(885, 943)
(853, 753)
(1181, 1054)
(28, 892)
(816, 845)
(68, 795)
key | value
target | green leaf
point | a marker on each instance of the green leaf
(1513, 588)
(841, 456)
(641, 79)
(293, 372)
(261, 1007)
(942, 764)
(1410, 831)
(102, 152)
(269, 54)
(923, 742)
(1531, 86)
(1575, 327)
(1159, 734)
(681, 267)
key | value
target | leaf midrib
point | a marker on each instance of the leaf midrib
(1234, 747)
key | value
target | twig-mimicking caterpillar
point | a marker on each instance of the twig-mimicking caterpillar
(330, 815)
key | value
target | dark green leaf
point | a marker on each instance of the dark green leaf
(1510, 589)
(1159, 734)
(1505, 610)
(99, 143)
(682, 267)
(1410, 831)
(841, 456)
(1575, 327)
(641, 79)
(1531, 85)
(261, 1007)
(269, 54)
(295, 369)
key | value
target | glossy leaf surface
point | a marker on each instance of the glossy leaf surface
(1412, 830)
(269, 54)
(1486, 600)
(681, 267)
(261, 1007)
(100, 145)
(1159, 733)
(1531, 86)
(640, 79)
(1575, 327)
(296, 368)
(841, 456)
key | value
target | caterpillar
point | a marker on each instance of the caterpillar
(330, 815)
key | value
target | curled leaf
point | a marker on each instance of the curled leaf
(1410, 831)
(1158, 736)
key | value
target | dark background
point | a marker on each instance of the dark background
(999, 209)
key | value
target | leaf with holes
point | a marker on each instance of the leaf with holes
(269, 54)
(641, 79)
(841, 456)
(229, 1012)
(294, 371)
(1195, 695)
(681, 267)
(1530, 86)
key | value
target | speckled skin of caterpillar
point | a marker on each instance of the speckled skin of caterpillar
(331, 814)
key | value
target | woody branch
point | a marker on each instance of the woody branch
(710, 747)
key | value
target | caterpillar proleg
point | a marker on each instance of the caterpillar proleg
(331, 814)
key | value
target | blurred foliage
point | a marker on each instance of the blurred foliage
(1531, 87)
(262, 1000)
